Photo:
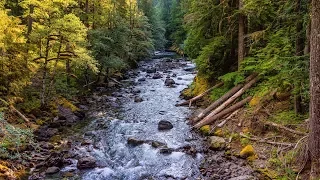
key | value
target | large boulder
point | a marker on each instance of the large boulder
(87, 163)
(164, 125)
(67, 114)
(217, 143)
(169, 82)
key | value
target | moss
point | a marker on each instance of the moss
(40, 122)
(67, 104)
(205, 130)
(199, 86)
(245, 130)
(56, 139)
(219, 133)
(268, 173)
(247, 151)
(254, 101)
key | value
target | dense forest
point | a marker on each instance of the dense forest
(255, 59)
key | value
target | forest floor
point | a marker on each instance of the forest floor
(269, 131)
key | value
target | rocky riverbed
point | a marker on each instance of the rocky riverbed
(134, 132)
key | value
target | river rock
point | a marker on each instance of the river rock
(87, 163)
(166, 150)
(151, 70)
(141, 79)
(134, 142)
(52, 170)
(66, 113)
(45, 133)
(217, 143)
(157, 144)
(86, 142)
(157, 76)
(169, 82)
(136, 91)
(189, 69)
(164, 125)
(138, 99)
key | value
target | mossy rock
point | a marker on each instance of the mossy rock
(219, 133)
(205, 130)
(247, 152)
(217, 143)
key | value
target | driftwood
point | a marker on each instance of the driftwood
(222, 99)
(285, 128)
(19, 113)
(189, 102)
(210, 119)
(267, 142)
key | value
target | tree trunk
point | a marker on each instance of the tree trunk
(299, 52)
(44, 76)
(241, 44)
(314, 137)
(230, 100)
(222, 99)
(225, 112)
(86, 23)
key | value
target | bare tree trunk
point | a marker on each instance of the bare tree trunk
(225, 112)
(241, 43)
(314, 137)
(222, 99)
(299, 52)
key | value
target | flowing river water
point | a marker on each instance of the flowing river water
(139, 121)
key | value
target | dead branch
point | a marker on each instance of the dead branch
(19, 113)
(284, 128)
(267, 142)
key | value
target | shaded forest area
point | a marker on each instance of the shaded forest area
(55, 51)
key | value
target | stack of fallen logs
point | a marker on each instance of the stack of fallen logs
(224, 105)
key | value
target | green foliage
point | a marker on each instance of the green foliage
(288, 117)
(14, 138)
(212, 56)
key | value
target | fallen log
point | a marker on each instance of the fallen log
(222, 99)
(231, 100)
(220, 125)
(19, 113)
(285, 128)
(211, 119)
(189, 102)
(115, 81)
(267, 142)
